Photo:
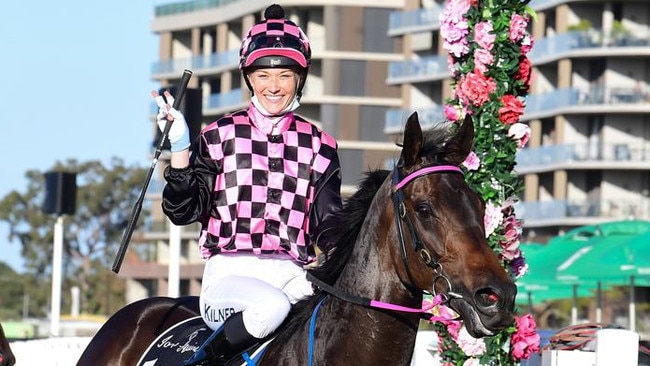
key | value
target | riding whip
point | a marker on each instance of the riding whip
(185, 79)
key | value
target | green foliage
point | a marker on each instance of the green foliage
(105, 198)
(488, 44)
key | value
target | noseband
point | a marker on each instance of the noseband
(402, 215)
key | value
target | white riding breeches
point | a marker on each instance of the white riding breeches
(263, 289)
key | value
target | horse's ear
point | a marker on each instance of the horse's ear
(461, 144)
(412, 141)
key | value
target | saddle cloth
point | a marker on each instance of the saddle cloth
(178, 343)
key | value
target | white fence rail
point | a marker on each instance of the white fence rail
(60, 351)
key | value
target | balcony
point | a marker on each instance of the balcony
(427, 68)
(199, 64)
(189, 6)
(414, 21)
(547, 4)
(586, 44)
(429, 117)
(598, 99)
(224, 102)
(584, 156)
(579, 212)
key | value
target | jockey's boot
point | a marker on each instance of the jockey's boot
(224, 344)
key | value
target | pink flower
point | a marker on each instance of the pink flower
(470, 345)
(475, 88)
(518, 26)
(527, 44)
(472, 362)
(524, 71)
(492, 219)
(472, 162)
(525, 341)
(511, 110)
(452, 112)
(511, 235)
(482, 59)
(520, 132)
(484, 36)
(455, 38)
(454, 28)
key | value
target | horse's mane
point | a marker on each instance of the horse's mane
(349, 221)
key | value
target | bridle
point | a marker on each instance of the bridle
(401, 214)
(425, 255)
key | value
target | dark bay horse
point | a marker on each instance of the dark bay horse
(416, 229)
(7, 358)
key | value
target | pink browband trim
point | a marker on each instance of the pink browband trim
(423, 171)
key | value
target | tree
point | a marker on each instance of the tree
(105, 198)
(13, 292)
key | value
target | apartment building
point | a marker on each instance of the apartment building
(588, 159)
(375, 62)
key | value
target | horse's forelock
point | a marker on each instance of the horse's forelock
(434, 145)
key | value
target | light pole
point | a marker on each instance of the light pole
(60, 199)
(57, 268)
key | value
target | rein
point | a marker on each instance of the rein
(401, 214)
(364, 301)
(425, 256)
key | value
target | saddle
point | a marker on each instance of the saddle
(179, 342)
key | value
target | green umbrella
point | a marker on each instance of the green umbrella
(539, 283)
(611, 260)
(624, 227)
(617, 259)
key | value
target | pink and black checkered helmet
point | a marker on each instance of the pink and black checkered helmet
(275, 42)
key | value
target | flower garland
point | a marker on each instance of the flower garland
(488, 43)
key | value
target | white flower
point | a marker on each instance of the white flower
(519, 132)
(493, 218)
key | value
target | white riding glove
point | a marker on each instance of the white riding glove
(179, 134)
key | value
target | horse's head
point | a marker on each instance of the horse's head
(440, 227)
(7, 358)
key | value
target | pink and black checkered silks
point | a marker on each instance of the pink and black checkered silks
(262, 197)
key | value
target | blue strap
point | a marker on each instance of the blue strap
(248, 359)
(312, 329)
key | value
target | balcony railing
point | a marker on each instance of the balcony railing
(539, 105)
(220, 60)
(189, 6)
(556, 47)
(411, 21)
(603, 208)
(224, 100)
(553, 155)
(429, 117)
(428, 67)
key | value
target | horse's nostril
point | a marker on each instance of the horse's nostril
(493, 297)
(486, 297)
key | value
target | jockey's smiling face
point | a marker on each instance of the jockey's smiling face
(275, 88)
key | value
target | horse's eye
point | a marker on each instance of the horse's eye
(424, 211)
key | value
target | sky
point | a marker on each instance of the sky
(76, 84)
